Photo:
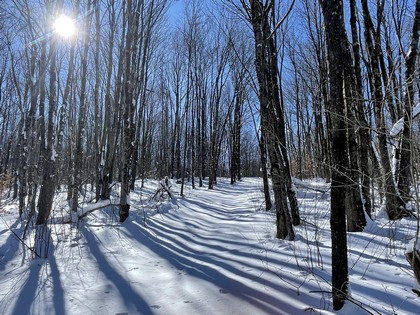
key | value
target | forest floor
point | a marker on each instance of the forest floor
(209, 252)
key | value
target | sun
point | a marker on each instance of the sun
(64, 26)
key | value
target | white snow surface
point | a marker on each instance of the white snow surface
(209, 252)
(399, 125)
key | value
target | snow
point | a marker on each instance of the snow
(54, 154)
(410, 246)
(399, 125)
(210, 252)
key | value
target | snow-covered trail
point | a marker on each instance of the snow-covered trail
(202, 256)
(210, 252)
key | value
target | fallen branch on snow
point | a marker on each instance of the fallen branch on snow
(93, 207)
(301, 184)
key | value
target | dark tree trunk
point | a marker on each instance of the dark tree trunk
(203, 137)
(405, 176)
(272, 114)
(336, 47)
(193, 144)
(128, 116)
(395, 206)
(266, 186)
(236, 130)
(200, 134)
(186, 140)
(218, 123)
(109, 130)
(81, 123)
(32, 141)
(356, 220)
(413, 257)
(46, 194)
(97, 117)
(363, 132)
(176, 140)
(25, 134)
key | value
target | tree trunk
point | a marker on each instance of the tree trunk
(237, 127)
(111, 126)
(96, 113)
(272, 112)
(413, 257)
(405, 176)
(395, 206)
(336, 46)
(78, 154)
(263, 158)
(27, 145)
(356, 220)
(46, 194)
(176, 139)
(127, 138)
(365, 142)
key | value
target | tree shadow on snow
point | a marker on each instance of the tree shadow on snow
(58, 288)
(9, 248)
(183, 257)
(130, 296)
(226, 214)
(37, 283)
(28, 292)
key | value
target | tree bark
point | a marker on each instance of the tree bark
(96, 114)
(395, 206)
(405, 176)
(81, 123)
(365, 142)
(46, 194)
(127, 138)
(111, 123)
(272, 113)
(266, 186)
(336, 46)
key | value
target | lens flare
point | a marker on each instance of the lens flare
(64, 26)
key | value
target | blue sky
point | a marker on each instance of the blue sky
(176, 9)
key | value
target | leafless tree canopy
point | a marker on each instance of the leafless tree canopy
(195, 90)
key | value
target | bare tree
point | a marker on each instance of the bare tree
(217, 118)
(81, 122)
(112, 117)
(177, 70)
(395, 206)
(241, 86)
(96, 113)
(271, 111)
(127, 136)
(405, 176)
(337, 52)
(364, 128)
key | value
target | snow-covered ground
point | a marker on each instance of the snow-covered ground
(210, 252)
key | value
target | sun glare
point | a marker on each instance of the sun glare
(64, 26)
